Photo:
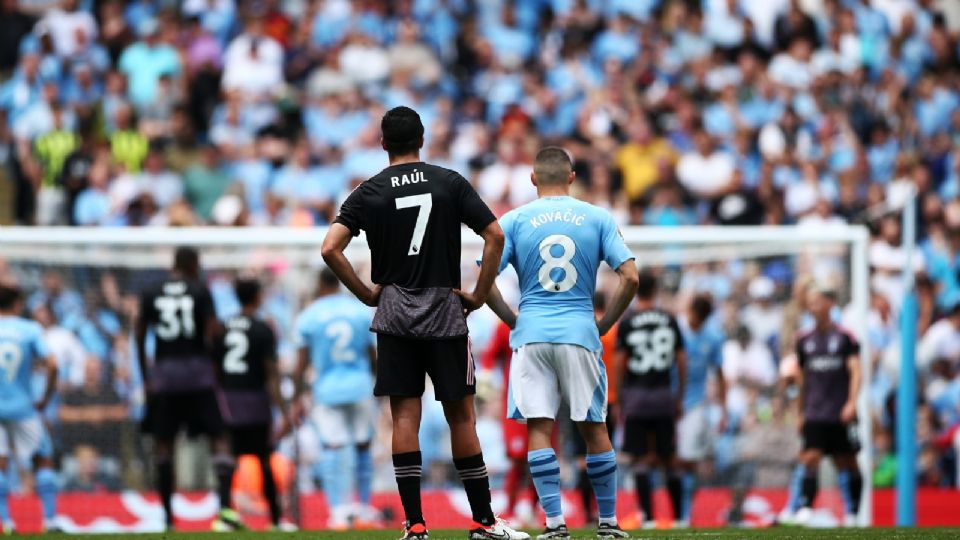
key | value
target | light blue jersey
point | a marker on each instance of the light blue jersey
(336, 330)
(21, 344)
(556, 245)
(704, 352)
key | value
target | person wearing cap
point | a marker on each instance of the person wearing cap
(411, 213)
(828, 380)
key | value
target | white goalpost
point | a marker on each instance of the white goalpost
(289, 257)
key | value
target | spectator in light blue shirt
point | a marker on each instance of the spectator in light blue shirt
(617, 41)
(934, 107)
(145, 61)
(509, 40)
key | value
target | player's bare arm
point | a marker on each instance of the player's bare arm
(849, 412)
(493, 241)
(273, 388)
(299, 384)
(50, 366)
(799, 381)
(500, 307)
(681, 359)
(337, 239)
(629, 280)
(721, 398)
(141, 339)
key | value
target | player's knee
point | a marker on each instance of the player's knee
(458, 413)
(596, 436)
(810, 459)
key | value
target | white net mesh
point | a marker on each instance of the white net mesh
(83, 284)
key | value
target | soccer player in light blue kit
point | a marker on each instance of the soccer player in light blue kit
(334, 337)
(696, 430)
(21, 427)
(556, 244)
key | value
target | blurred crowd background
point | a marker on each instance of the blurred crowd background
(676, 112)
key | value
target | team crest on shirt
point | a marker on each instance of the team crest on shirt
(834, 344)
(810, 346)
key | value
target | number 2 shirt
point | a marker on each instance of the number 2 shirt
(556, 245)
(335, 331)
(242, 355)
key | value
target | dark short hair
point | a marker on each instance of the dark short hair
(9, 296)
(702, 305)
(402, 131)
(248, 291)
(552, 166)
(647, 287)
(187, 260)
(328, 278)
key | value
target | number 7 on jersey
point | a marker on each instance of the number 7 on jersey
(425, 206)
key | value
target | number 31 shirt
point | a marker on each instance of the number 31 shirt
(556, 245)
(177, 311)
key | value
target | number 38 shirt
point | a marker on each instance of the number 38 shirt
(556, 245)
(412, 214)
(651, 339)
(178, 311)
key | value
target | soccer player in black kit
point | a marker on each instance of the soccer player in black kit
(181, 379)
(650, 348)
(246, 356)
(828, 379)
(411, 213)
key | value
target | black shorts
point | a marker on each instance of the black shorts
(403, 364)
(198, 412)
(644, 435)
(580, 446)
(831, 438)
(253, 439)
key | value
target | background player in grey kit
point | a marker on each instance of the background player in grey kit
(828, 379)
(181, 378)
(246, 357)
(650, 348)
(411, 213)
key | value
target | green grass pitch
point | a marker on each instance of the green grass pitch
(692, 534)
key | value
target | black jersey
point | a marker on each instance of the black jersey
(178, 311)
(651, 338)
(823, 356)
(411, 214)
(243, 351)
(242, 355)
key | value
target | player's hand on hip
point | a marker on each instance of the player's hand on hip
(469, 300)
(849, 412)
(373, 296)
(602, 328)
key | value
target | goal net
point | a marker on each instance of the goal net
(82, 285)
